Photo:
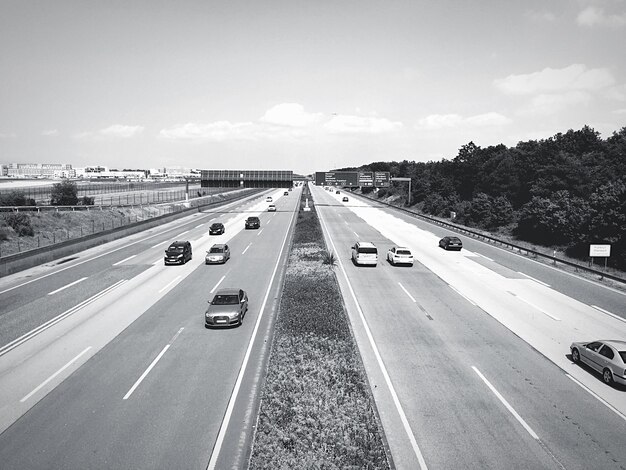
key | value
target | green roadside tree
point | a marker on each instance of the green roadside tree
(64, 193)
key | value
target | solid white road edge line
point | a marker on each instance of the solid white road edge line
(379, 360)
(53, 321)
(532, 278)
(483, 256)
(45, 382)
(604, 402)
(534, 306)
(465, 297)
(66, 286)
(507, 405)
(216, 285)
(233, 397)
(125, 259)
(609, 313)
(169, 283)
(407, 293)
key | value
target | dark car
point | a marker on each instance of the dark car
(337, 192)
(286, 193)
(451, 243)
(228, 307)
(217, 229)
(179, 252)
(345, 199)
(253, 222)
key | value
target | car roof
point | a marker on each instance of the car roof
(401, 248)
(176, 243)
(367, 244)
(217, 223)
(228, 291)
(616, 343)
(253, 217)
(219, 245)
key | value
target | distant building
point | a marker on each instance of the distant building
(3, 170)
(103, 172)
(38, 170)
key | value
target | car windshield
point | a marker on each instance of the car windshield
(216, 225)
(229, 299)
(217, 249)
(253, 219)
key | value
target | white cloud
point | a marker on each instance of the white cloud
(617, 93)
(553, 103)
(283, 122)
(218, 131)
(541, 16)
(593, 16)
(351, 124)
(290, 114)
(10, 135)
(620, 111)
(441, 121)
(50, 133)
(573, 78)
(119, 130)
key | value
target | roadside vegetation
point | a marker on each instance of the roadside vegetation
(562, 193)
(316, 406)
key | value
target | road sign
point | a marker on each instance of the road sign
(599, 251)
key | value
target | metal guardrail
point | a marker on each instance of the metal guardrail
(497, 241)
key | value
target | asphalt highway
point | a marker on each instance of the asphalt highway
(467, 352)
(105, 360)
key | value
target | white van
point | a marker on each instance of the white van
(364, 253)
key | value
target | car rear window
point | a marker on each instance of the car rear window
(622, 355)
(175, 248)
(368, 250)
(403, 252)
(225, 300)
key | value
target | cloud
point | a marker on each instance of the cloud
(541, 16)
(441, 121)
(286, 121)
(50, 133)
(351, 124)
(122, 131)
(218, 131)
(620, 111)
(553, 103)
(290, 114)
(10, 135)
(593, 16)
(617, 93)
(574, 77)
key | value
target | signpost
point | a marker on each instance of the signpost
(600, 251)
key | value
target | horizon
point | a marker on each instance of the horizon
(300, 85)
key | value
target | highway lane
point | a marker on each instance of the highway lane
(170, 419)
(468, 392)
(585, 290)
(33, 297)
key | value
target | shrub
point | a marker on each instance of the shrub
(64, 193)
(20, 223)
(328, 257)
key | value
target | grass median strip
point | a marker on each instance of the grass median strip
(316, 407)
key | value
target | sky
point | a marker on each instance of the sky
(302, 85)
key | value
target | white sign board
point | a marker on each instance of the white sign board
(599, 251)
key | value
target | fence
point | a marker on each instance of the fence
(111, 221)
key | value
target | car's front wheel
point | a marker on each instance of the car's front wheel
(607, 376)
(575, 355)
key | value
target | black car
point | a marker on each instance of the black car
(253, 222)
(216, 229)
(179, 252)
(451, 243)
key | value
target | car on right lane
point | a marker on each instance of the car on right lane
(399, 255)
(451, 243)
(605, 356)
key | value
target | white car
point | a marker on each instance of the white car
(269, 199)
(400, 255)
(271, 208)
(605, 356)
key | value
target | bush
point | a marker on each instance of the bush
(20, 223)
(64, 193)
(15, 198)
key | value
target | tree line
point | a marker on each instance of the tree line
(565, 192)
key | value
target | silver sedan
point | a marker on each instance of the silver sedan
(605, 356)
